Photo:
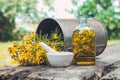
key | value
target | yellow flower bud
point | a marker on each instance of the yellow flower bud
(55, 36)
(15, 44)
(32, 34)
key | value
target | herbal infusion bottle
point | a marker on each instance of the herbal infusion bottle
(83, 43)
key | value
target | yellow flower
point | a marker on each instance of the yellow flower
(37, 60)
(20, 46)
(15, 44)
(92, 33)
(14, 49)
(32, 34)
(55, 36)
(26, 38)
(85, 32)
(38, 53)
(28, 46)
(38, 45)
(54, 48)
(24, 56)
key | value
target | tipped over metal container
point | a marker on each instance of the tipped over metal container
(66, 27)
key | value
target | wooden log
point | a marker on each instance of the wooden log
(107, 63)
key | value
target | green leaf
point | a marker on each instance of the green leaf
(74, 2)
(112, 26)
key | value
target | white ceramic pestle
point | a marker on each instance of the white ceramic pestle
(47, 48)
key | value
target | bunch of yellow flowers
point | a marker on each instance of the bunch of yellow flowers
(29, 51)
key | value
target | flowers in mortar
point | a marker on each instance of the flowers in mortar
(29, 51)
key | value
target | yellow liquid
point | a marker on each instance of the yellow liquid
(84, 47)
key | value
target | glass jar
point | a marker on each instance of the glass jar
(83, 43)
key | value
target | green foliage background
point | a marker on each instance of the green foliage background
(104, 11)
(27, 10)
(9, 10)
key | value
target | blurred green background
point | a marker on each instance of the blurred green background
(18, 17)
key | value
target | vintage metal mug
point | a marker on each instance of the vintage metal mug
(66, 27)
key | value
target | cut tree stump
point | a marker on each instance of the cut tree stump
(107, 68)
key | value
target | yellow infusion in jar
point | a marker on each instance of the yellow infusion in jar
(83, 42)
